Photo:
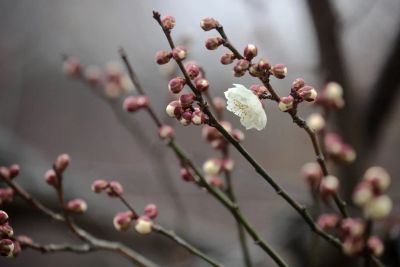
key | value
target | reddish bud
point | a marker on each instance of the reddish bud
(3, 217)
(131, 104)
(215, 181)
(176, 85)
(192, 70)
(99, 186)
(238, 135)
(179, 53)
(14, 170)
(279, 71)
(328, 221)
(263, 64)
(6, 247)
(329, 186)
(213, 43)
(228, 164)
(198, 117)
(312, 173)
(5, 172)
(72, 66)
(62, 163)
(375, 246)
(174, 109)
(227, 58)
(241, 65)
(77, 206)
(208, 24)
(163, 57)
(308, 93)
(201, 84)
(186, 100)
(122, 220)
(258, 90)
(51, 177)
(286, 103)
(352, 227)
(166, 132)
(186, 118)
(168, 22)
(151, 211)
(17, 249)
(6, 195)
(115, 189)
(186, 175)
(297, 84)
(114, 72)
(250, 52)
(378, 177)
(6, 231)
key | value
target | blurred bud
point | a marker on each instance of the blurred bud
(115, 189)
(378, 208)
(17, 249)
(333, 91)
(348, 154)
(179, 53)
(312, 173)
(14, 170)
(258, 90)
(352, 227)
(62, 162)
(308, 93)
(378, 177)
(241, 65)
(297, 84)
(227, 58)
(186, 100)
(227, 126)
(6, 231)
(51, 177)
(6, 247)
(264, 65)
(143, 225)
(201, 84)
(279, 71)
(353, 246)
(4, 171)
(328, 221)
(168, 22)
(228, 164)
(250, 52)
(112, 90)
(198, 117)
(3, 217)
(166, 132)
(72, 66)
(6, 195)
(255, 71)
(286, 103)
(333, 143)
(151, 211)
(193, 70)
(163, 57)
(209, 23)
(131, 104)
(213, 43)
(238, 73)
(375, 246)
(99, 185)
(186, 118)
(176, 85)
(114, 72)
(212, 166)
(127, 84)
(329, 186)
(362, 194)
(219, 104)
(186, 175)
(174, 109)
(77, 206)
(238, 135)
(93, 75)
(316, 122)
(215, 181)
(219, 144)
(122, 220)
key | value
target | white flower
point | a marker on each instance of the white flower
(245, 104)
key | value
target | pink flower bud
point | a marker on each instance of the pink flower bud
(219, 104)
(6, 247)
(99, 185)
(250, 52)
(227, 58)
(210, 133)
(163, 57)
(298, 83)
(6, 195)
(186, 175)
(312, 173)
(241, 65)
(6, 230)
(77, 206)
(258, 90)
(329, 186)
(362, 194)
(168, 22)
(238, 135)
(316, 122)
(228, 164)
(112, 90)
(143, 225)
(193, 70)
(308, 93)
(198, 117)
(353, 246)
(263, 64)
(174, 109)
(115, 189)
(4, 171)
(212, 166)
(375, 246)
(227, 126)
(131, 104)
(208, 24)
(51, 177)
(179, 53)
(122, 220)
(166, 132)
(328, 221)
(186, 100)
(378, 208)
(201, 84)
(279, 71)
(348, 154)
(176, 85)
(62, 163)
(286, 103)
(255, 70)
(14, 170)
(151, 211)
(215, 181)
(213, 43)
(378, 177)
(72, 66)
(3, 217)
(186, 118)
(93, 75)
(142, 101)
(352, 227)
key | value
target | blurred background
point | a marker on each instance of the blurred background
(43, 114)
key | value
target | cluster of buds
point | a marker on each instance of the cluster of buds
(8, 247)
(113, 188)
(134, 103)
(216, 139)
(338, 150)
(331, 96)
(299, 92)
(184, 111)
(143, 224)
(214, 167)
(52, 176)
(369, 194)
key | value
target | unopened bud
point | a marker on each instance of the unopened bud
(352, 227)
(362, 194)
(3, 217)
(308, 93)
(312, 173)
(99, 185)
(328, 221)
(227, 126)
(144, 225)
(192, 70)
(213, 43)
(14, 170)
(378, 177)
(131, 104)
(115, 189)
(316, 122)
(215, 181)
(198, 117)
(186, 175)
(212, 166)
(219, 103)
(174, 109)
(6, 247)
(93, 75)
(5, 172)
(250, 52)
(6, 231)
(6, 195)
(201, 84)
(378, 208)
(163, 57)
(241, 65)
(375, 245)
(333, 91)
(77, 206)
(286, 103)
(208, 24)
(72, 66)
(255, 71)
(112, 90)
(186, 118)
(353, 246)
(176, 85)
(297, 84)
(151, 211)
(186, 100)
(168, 22)
(228, 164)
(227, 58)
(166, 132)
(51, 177)
(258, 90)
(329, 186)
(179, 53)
(238, 135)
(122, 220)
(62, 162)
(279, 71)
(264, 65)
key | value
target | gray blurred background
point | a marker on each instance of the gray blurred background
(43, 114)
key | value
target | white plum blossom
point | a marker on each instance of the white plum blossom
(245, 104)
